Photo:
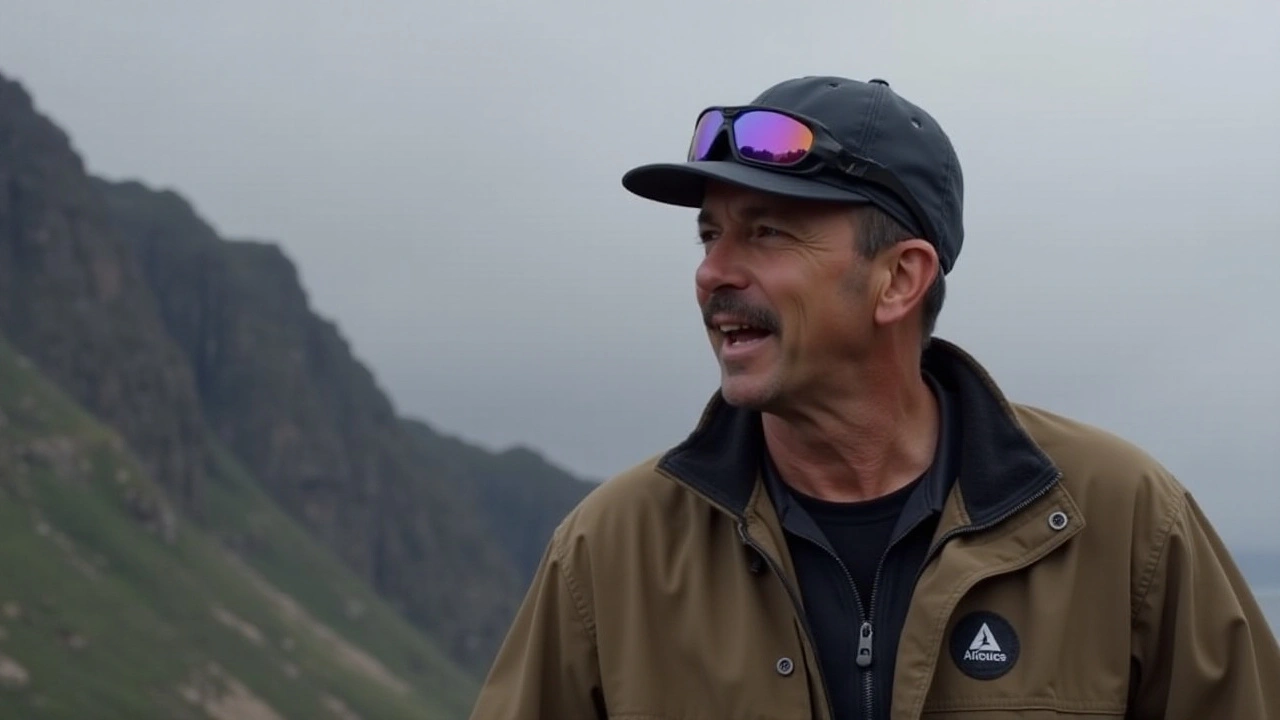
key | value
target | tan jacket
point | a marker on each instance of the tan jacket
(1072, 577)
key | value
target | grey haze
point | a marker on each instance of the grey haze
(446, 177)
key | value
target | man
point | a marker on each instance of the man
(861, 525)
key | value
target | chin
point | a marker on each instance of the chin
(748, 393)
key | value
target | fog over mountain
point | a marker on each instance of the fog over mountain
(446, 177)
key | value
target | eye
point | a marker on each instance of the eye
(706, 236)
(768, 231)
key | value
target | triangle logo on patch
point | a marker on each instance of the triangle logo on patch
(984, 640)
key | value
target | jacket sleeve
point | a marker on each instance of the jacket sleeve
(1203, 646)
(546, 668)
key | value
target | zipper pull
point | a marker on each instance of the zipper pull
(864, 645)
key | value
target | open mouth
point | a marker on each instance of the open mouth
(736, 334)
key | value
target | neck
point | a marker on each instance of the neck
(858, 444)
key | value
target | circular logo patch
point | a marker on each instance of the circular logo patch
(984, 645)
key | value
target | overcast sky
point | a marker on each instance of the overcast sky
(446, 176)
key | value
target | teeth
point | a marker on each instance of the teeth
(732, 328)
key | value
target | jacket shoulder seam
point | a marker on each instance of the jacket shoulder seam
(1158, 550)
(580, 606)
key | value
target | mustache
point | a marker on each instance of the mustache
(731, 304)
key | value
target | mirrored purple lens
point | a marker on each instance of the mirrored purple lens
(772, 137)
(704, 134)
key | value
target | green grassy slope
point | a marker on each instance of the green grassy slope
(109, 608)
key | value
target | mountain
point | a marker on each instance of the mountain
(266, 441)
(524, 495)
(110, 608)
(71, 297)
(283, 391)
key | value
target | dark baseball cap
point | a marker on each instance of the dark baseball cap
(870, 120)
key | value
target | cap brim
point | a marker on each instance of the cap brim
(683, 184)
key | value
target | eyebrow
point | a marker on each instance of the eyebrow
(749, 213)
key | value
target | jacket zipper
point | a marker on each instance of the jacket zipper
(866, 628)
(866, 637)
(795, 602)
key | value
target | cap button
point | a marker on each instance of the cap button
(878, 81)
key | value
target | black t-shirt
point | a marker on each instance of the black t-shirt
(858, 531)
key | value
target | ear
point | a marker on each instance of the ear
(910, 268)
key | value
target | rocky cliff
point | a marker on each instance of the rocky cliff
(523, 495)
(177, 337)
(283, 390)
(72, 298)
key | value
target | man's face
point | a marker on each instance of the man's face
(784, 293)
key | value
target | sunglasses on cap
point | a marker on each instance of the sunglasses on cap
(787, 142)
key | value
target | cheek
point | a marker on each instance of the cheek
(830, 313)
(855, 291)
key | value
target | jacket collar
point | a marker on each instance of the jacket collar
(998, 466)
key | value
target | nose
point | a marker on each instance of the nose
(721, 267)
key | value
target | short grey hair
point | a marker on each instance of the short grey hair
(876, 231)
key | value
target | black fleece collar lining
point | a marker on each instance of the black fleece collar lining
(998, 465)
